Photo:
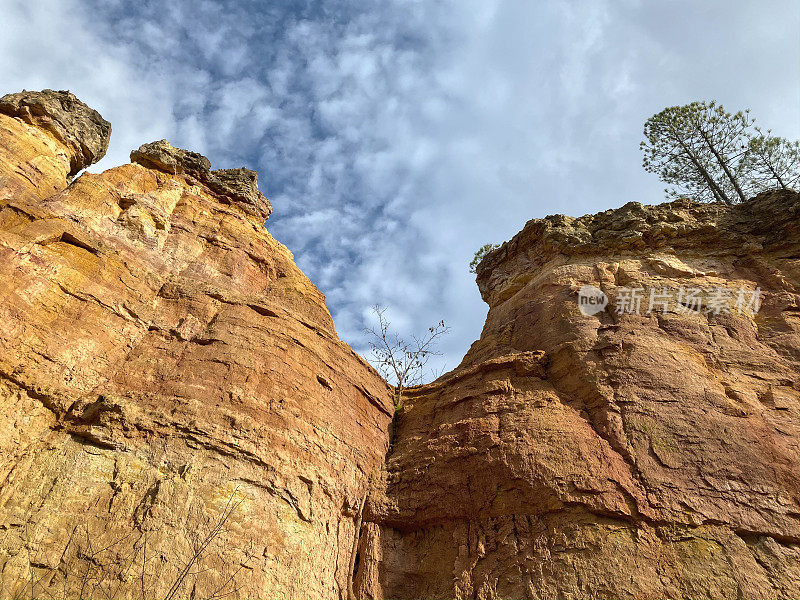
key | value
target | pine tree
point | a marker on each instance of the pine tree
(699, 148)
(772, 162)
(479, 254)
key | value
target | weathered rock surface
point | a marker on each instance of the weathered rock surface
(163, 362)
(608, 456)
(166, 372)
(228, 185)
(81, 129)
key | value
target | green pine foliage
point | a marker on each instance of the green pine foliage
(709, 154)
(482, 251)
(772, 160)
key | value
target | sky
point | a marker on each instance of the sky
(395, 138)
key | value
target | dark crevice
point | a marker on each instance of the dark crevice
(262, 310)
(70, 239)
(355, 557)
(125, 202)
(374, 401)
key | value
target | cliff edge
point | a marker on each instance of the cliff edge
(645, 450)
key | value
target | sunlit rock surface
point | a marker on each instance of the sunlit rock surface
(162, 358)
(650, 455)
(166, 372)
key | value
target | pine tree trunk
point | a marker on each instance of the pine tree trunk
(775, 173)
(715, 189)
(723, 164)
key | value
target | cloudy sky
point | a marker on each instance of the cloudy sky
(396, 137)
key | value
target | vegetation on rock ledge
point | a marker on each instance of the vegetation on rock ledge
(711, 155)
(402, 362)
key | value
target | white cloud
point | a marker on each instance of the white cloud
(53, 44)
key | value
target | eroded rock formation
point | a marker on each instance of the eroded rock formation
(161, 359)
(650, 455)
(166, 369)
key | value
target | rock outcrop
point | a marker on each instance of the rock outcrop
(178, 417)
(227, 185)
(74, 125)
(165, 370)
(620, 455)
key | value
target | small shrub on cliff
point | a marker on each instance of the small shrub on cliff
(479, 254)
(402, 362)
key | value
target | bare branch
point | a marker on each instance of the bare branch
(400, 361)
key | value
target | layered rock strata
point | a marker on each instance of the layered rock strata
(166, 372)
(615, 455)
(179, 419)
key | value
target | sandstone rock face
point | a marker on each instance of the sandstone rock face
(650, 455)
(166, 371)
(178, 418)
(81, 129)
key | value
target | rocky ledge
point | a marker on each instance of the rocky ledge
(61, 114)
(239, 186)
(768, 224)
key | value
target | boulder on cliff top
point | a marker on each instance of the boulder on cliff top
(239, 186)
(60, 113)
(163, 156)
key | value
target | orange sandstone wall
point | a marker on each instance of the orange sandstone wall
(650, 455)
(163, 360)
(179, 419)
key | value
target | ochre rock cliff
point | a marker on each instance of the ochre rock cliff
(650, 455)
(161, 359)
(168, 377)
